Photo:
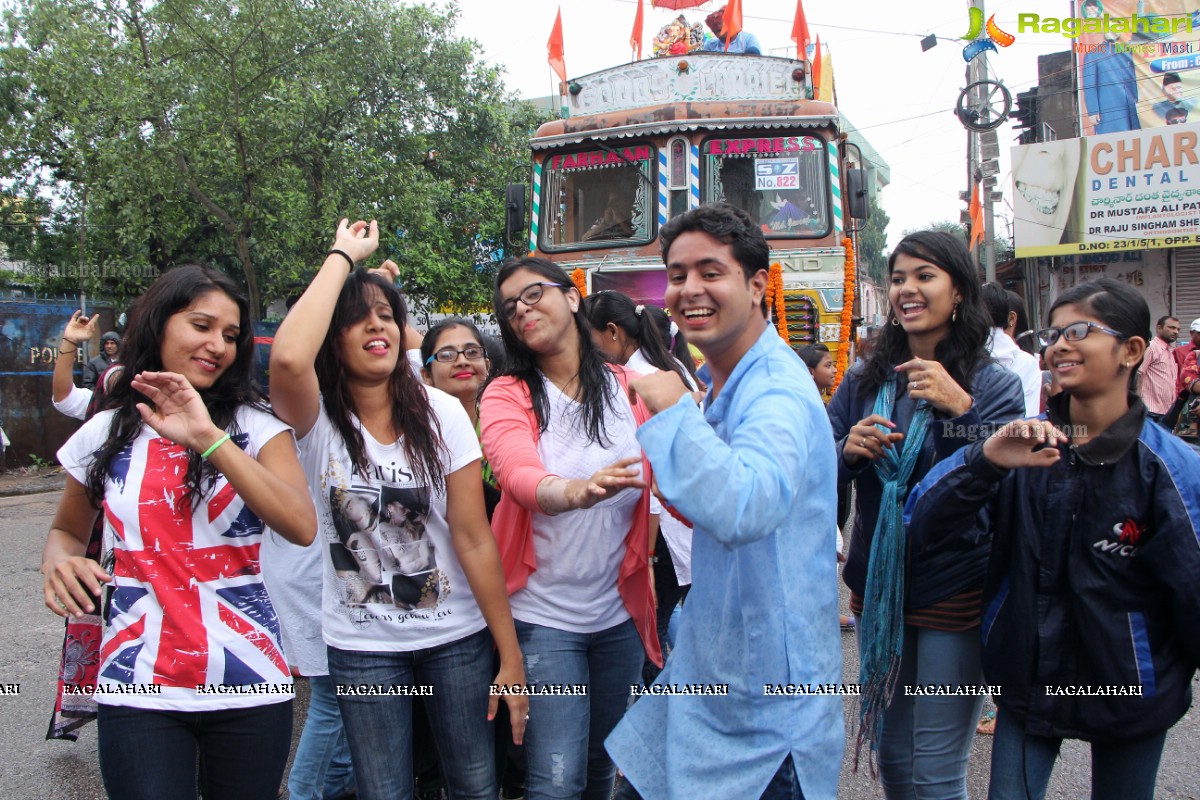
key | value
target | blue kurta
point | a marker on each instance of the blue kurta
(756, 474)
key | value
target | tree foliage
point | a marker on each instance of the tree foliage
(872, 244)
(238, 134)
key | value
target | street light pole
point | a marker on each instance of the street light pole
(977, 72)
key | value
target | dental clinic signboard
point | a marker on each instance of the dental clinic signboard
(1133, 190)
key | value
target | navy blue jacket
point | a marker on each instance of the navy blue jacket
(937, 573)
(1093, 579)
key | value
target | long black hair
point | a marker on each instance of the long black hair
(141, 351)
(596, 393)
(412, 416)
(1117, 305)
(677, 344)
(619, 309)
(964, 348)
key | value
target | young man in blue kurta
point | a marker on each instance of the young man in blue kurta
(752, 467)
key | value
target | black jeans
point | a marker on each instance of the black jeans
(152, 755)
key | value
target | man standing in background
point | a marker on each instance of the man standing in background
(110, 353)
(1159, 375)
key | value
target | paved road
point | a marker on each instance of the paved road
(34, 769)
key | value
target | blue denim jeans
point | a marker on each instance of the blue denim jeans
(379, 727)
(152, 755)
(927, 739)
(1021, 764)
(321, 769)
(564, 742)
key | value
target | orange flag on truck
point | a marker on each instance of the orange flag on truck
(800, 32)
(635, 38)
(555, 48)
(731, 23)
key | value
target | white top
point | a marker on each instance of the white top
(414, 362)
(75, 404)
(293, 575)
(579, 553)
(1009, 355)
(677, 535)
(392, 581)
(189, 606)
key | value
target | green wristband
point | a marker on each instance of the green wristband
(216, 444)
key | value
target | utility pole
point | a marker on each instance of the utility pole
(977, 71)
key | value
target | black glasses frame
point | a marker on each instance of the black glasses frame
(509, 307)
(1048, 336)
(448, 355)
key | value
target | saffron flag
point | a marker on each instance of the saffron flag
(816, 72)
(976, 214)
(731, 23)
(635, 38)
(800, 32)
(555, 48)
(828, 93)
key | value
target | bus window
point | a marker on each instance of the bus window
(598, 198)
(780, 181)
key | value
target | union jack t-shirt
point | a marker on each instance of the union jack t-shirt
(188, 607)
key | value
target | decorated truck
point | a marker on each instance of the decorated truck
(640, 143)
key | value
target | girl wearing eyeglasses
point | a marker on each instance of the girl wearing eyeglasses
(927, 388)
(368, 428)
(573, 525)
(455, 360)
(1092, 619)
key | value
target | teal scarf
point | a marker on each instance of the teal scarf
(882, 627)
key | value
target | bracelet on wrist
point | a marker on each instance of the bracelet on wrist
(68, 352)
(214, 447)
(343, 254)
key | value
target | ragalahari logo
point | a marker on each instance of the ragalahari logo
(992, 35)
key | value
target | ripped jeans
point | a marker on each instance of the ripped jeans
(564, 742)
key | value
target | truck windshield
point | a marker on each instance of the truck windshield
(596, 198)
(779, 181)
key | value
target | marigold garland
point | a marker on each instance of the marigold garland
(775, 298)
(843, 353)
(579, 278)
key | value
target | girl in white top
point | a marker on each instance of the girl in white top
(412, 578)
(560, 431)
(189, 466)
(631, 334)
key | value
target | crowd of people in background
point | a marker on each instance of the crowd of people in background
(566, 563)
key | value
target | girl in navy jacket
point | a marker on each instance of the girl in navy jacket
(1091, 627)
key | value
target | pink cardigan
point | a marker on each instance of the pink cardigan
(510, 437)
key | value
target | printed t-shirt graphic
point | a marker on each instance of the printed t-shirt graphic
(392, 581)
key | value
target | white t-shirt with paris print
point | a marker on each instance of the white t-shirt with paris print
(392, 581)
